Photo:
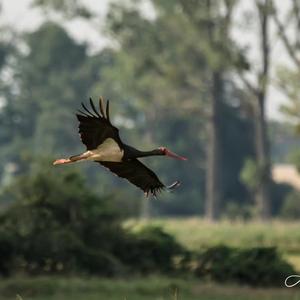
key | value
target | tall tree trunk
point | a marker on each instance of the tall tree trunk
(213, 18)
(263, 160)
(259, 91)
(213, 169)
(261, 137)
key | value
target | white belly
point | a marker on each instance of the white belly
(109, 150)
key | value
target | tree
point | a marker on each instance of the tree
(289, 77)
(213, 22)
(57, 225)
(8, 50)
(259, 93)
(47, 85)
(177, 94)
(172, 89)
(156, 76)
(288, 81)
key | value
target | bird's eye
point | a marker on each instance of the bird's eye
(163, 149)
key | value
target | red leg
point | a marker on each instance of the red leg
(72, 159)
(62, 161)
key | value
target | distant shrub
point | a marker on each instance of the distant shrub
(7, 252)
(152, 250)
(279, 193)
(56, 225)
(291, 208)
(237, 211)
(256, 266)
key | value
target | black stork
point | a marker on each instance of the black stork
(104, 146)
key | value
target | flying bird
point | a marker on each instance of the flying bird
(104, 146)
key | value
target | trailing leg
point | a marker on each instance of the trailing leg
(71, 159)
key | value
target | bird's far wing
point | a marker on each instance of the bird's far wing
(95, 126)
(136, 173)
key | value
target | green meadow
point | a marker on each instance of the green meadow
(195, 234)
(151, 288)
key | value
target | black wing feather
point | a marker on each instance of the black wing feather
(87, 111)
(94, 108)
(95, 128)
(136, 173)
(83, 113)
(101, 106)
(107, 110)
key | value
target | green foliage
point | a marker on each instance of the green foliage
(236, 211)
(43, 78)
(149, 288)
(288, 82)
(153, 250)
(250, 174)
(54, 224)
(198, 234)
(283, 142)
(50, 79)
(237, 126)
(291, 209)
(158, 76)
(256, 266)
(279, 193)
(69, 8)
(168, 85)
(295, 159)
(51, 223)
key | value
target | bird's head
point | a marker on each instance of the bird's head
(167, 152)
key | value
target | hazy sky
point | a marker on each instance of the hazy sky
(19, 14)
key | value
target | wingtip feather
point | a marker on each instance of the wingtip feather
(107, 111)
(101, 106)
(86, 109)
(94, 108)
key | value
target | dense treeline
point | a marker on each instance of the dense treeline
(162, 75)
(55, 225)
(175, 78)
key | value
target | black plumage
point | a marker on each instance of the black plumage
(136, 173)
(95, 127)
(105, 146)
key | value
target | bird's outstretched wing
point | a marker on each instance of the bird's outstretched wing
(95, 126)
(136, 173)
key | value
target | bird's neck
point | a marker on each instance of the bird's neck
(148, 153)
(135, 153)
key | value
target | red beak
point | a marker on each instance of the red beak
(174, 155)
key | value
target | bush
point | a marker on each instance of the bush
(152, 250)
(56, 225)
(279, 193)
(291, 208)
(256, 266)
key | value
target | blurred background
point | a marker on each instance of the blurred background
(214, 80)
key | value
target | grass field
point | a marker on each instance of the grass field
(197, 234)
(194, 234)
(152, 288)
